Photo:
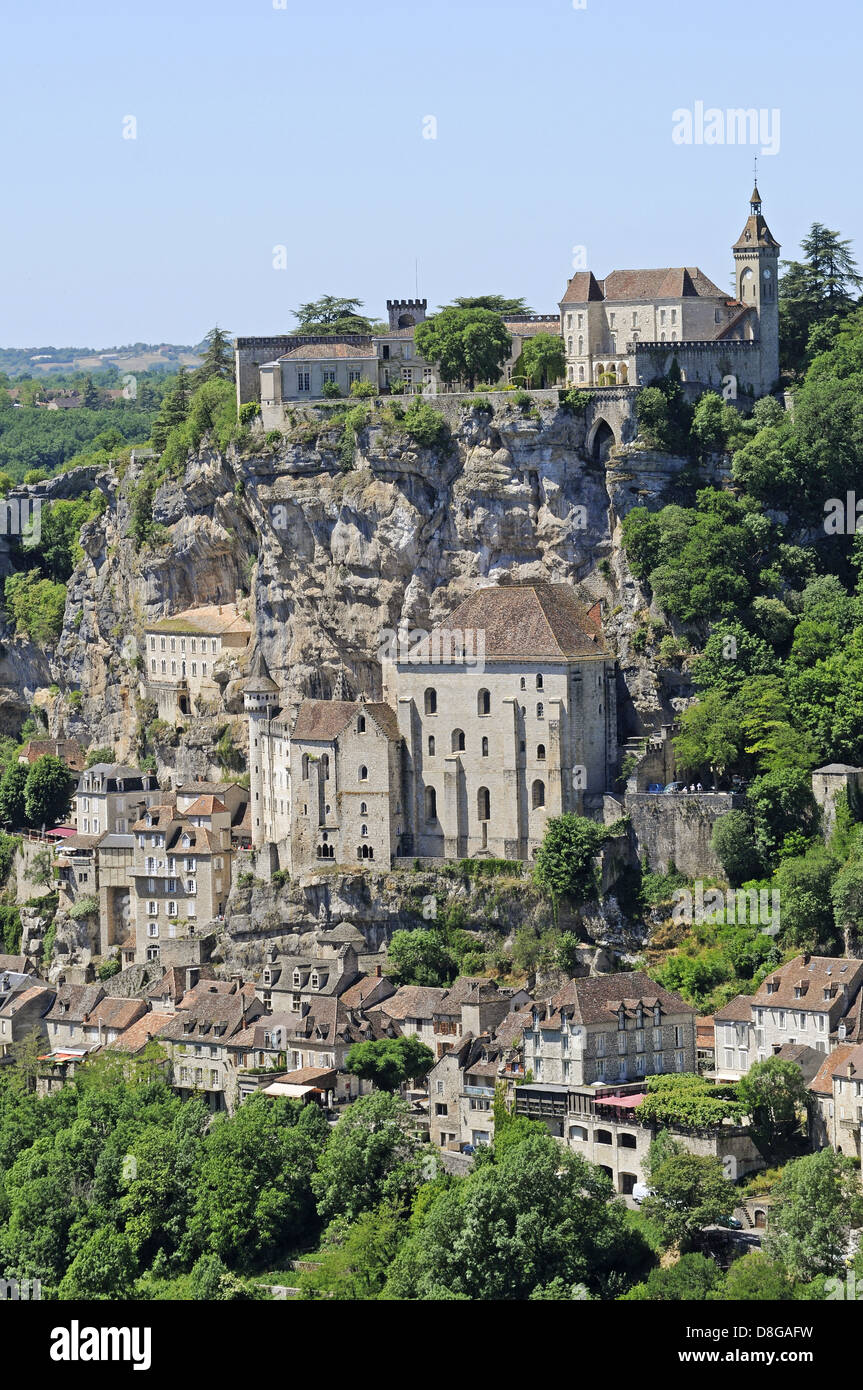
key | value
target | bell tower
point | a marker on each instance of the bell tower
(756, 276)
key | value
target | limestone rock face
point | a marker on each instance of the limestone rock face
(331, 559)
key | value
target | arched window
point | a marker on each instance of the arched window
(540, 752)
(626, 1141)
(364, 830)
(537, 795)
(539, 680)
(581, 373)
(361, 724)
(523, 685)
(485, 747)
(364, 810)
(363, 773)
(431, 803)
(602, 1136)
(569, 346)
(577, 1133)
(458, 741)
(580, 346)
(430, 700)
(431, 745)
(483, 804)
(305, 767)
(325, 766)
(483, 702)
(540, 711)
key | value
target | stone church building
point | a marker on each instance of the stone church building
(490, 724)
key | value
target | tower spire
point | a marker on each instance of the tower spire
(755, 200)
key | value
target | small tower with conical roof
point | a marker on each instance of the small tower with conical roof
(756, 280)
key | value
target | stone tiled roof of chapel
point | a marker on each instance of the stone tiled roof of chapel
(528, 621)
(323, 720)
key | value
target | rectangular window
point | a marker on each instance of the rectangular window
(302, 381)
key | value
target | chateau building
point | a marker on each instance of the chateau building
(623, 330)
(492, 723)
(627, 328)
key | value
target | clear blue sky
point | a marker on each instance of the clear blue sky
(302, 126)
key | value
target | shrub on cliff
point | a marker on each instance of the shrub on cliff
(36, 606)
(564, 865)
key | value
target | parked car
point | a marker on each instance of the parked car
(674, 787)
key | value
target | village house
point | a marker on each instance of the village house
(23, 1011)
(181, 875)
(331, 968)
(323, 1033)
(811, 1000)
(600, 1123)
(110, 797)
(84, 1017)
(608, 1029)
(197, 1036)
(185, 653)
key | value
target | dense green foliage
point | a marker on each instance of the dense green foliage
(467, 344)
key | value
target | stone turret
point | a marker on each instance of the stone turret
(406, 313)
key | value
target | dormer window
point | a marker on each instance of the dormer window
(315, 981)
(621, 1020)
(296, 979)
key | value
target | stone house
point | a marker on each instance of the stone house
(184, 653)
(84, 1017)
(414, 1009)
(197, 1039)
(609, 1029)
(181, 874)
(110, 797)
(811, 1000)
(600, 1123)
(22, 1013)
(330, 968)
(323, 1033)
(166, 994)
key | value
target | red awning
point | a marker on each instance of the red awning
(621, 1102)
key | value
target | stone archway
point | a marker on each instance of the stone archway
(600, 441)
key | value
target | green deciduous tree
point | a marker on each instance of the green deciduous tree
(418, 957)
(466, 344)
(816, 1200)
(372, 1156)
(689, 1191)
(389, 1062)
(564, 865)
(47, 790)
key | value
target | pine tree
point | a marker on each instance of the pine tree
(218, 357)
